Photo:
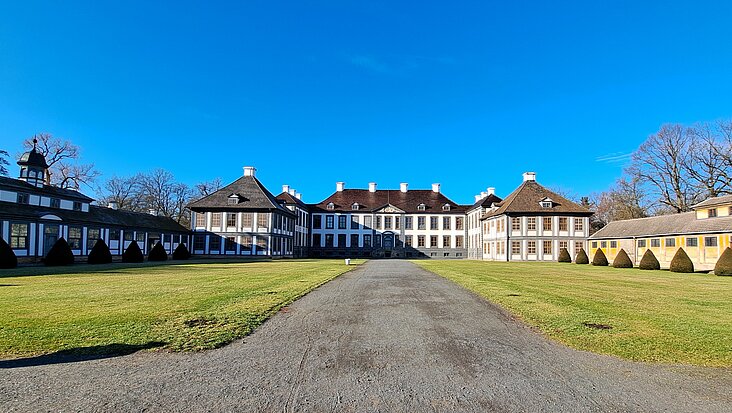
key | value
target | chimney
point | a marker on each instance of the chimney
(478, 198)
(491, 191)
(340, 186)
(436, 188)
(298, 195)
(483, 194)
(403, 186)
(372, 186)
(286, 189)
(529, 176)
(250, 171)
(292, 192)
(113, 205)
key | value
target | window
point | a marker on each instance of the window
(433, 241)
(316, 240)
(458, 241)
(459, 223)
(515, 224)
(563, 244)
(547, 247)
(367, 221)
(486, 248)
(446, 241)
(329, 240)
(341, 240)
(613, 244)
(377, 241)
(216, 219)
(247, 219)
(578, 224)
(262, 244)
(641, 243)
(74, 238)
(420, 241)
(354, 221)
(317, 221)
(578, 245)
(547, 224)
(397, 223)
(594, 244)
(421, 223)
(434, 223)
(233, 200)
(330, 206)
(420, 207)
(692, 242)
(712, 212)
(655, 243)
(199, 242)
(546, 204)
(515, 247)
(710, 241)
(446, 207)
(445, 222)
(367, 240)
(246, 243)
(114, 235)
(329, 222)
(262, 222)
(200, 219)
(378, 222)
(408, 240)
(670, 242)
(354, 240)
(23, 198)
(231, 219)
(55, 203)
(531, 247)
(531, 224)
(77, 206)
(342, 221)
(140, 237)
(92, 235)
(563, 223)
(129, 236)
(603, 244)
(407, 222)
(355, 206)
(387, 222)
(19, 236)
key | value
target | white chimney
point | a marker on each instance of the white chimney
(491, 191)
(483, 194)
(529, 176)
(286, 189)
(298, 195)
(113, 205)
(403, 186)
(478, 198)
(340, 186)
(250, 171)
(372, 186)
(292, 192)
(436, 188)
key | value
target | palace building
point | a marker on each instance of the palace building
(483, 202)
(291, 199)
(35, 214)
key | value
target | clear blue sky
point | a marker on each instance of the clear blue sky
(468, 94)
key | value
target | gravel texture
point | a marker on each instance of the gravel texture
(387, 337)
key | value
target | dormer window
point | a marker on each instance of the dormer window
(546, 203)
(712, 213)
(330, 206)
(420, 207)
(446, 207)
(234, 199)
(355, 206)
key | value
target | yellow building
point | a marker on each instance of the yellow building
(703, 233)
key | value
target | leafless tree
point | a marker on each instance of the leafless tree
(160, 192)
(61, 156)
(124, 191)
(4, 163)
(708, 161)
(209, 187)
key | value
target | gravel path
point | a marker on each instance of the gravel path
(387, 337)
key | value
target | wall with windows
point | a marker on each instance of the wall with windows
(243, 233)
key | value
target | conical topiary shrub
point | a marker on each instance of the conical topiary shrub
(59, 254)
(681, 262)
(724, 263)
(157, 253)
(649, 261)
(133, 253)
(622, 260)
(564, 256)
(181, 252)
(100, 253)
(599, 260)
(581, 257)
(7, 256)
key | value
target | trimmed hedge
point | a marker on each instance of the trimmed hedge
(622, 260)
(7, 256)
(599, 260)
(649, 261)
(681, 262)
(181, 252)
(59, 254)
(724, 263)
(564, 255)
(100, 253)
(581, 257)
(157, 253)
(133, 253)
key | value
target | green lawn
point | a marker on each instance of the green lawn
(656, 316)
(191, 306)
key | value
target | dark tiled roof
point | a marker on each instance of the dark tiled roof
(672, 224)
(485, 202)
(526, 199)
(33, 158)
(96, 216)
(289, 200)
(724, 199)
(406, 201)
(252, 195)
(47, 190)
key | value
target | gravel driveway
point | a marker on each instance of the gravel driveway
(387, 337)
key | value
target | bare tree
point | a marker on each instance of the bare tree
(4, 163)
(61, 156)
(708, 161)
(123, 191)
(160, 193)
(209, 187)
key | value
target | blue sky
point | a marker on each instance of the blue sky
(468, 94)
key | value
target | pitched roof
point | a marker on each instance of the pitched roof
(724, 199)
(289, 199)
(96, 216)
(252, 196)
(46, 190)
(406, 201)
(33, 158)
(526, 199)
(672, 224)
(486, 202)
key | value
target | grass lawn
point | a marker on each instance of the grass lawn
(655, 316)
(190, 306)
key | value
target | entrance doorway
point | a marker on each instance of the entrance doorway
(50, 236)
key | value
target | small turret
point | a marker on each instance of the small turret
(33, 167)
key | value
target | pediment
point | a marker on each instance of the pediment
(389, 208)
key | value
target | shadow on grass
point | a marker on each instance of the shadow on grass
(76, 355)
